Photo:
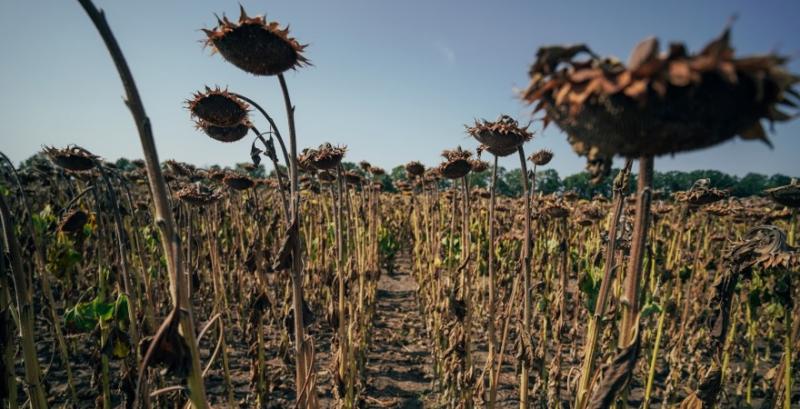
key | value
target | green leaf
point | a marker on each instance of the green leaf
(650, 309)
(121, 310)
(590, 288)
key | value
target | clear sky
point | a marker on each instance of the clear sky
(393, 80)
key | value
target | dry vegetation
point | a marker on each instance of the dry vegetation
(165, 285)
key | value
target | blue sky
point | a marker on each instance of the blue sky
(393, 80)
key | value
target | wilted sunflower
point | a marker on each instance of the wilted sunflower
(181, 168)
(787, 195)
(218, 107)
(352, 177)
(72, 158)
(73, 221)
(415, 168)
(456, 164)
(326, 157)
(256, 45)
(700, 194)
(237, 181)
(501, 136)
(197, 195)
(541, 157)
(224, 133)
(377, 171)
(326, 176)
(556, 210)
(660, 103)
(365, 166)
(478, 166)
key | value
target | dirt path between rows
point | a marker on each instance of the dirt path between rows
(399, 356)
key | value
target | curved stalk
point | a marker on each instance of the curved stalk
(164, 218)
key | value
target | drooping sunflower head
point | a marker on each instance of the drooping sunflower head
(478, 165)
(238, 181)
(73, 221)
(415, 168)
(196, 194)
(326, 157)
(256, 45)
(787, 195)
(72, 158)
(502, 135)
(224, 133)
(660, 102)
(218, 107)
(541, 157)
(456, 164)
(701, 194)
(180, 168)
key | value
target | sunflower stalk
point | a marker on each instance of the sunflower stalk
(164, 218)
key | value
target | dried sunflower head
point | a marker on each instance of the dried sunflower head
(256, 45)
(72, 158)
(541, 157)
(456, 164)
(181, 168)
(218, 107)
(478, 165)
(700, 194)
(197, 195)
(502, 135)
(326, 176)
(326, 157)
(556, 210)
(73, 221)
(224, 133)
(659, 103)
(352, 177)
(237, 181)
(415, 168)
(787, 195)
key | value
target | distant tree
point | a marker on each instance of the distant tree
(480, 179)
(751, 184)
(778, 180)
(398, 173)
(513, 182)
(386, 183)
(547, 181)
(124, 164)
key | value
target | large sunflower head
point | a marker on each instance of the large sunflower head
(659, 102)
(218, 107)
(256, 45)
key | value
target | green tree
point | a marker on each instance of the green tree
(751, 184)
(548, 181)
